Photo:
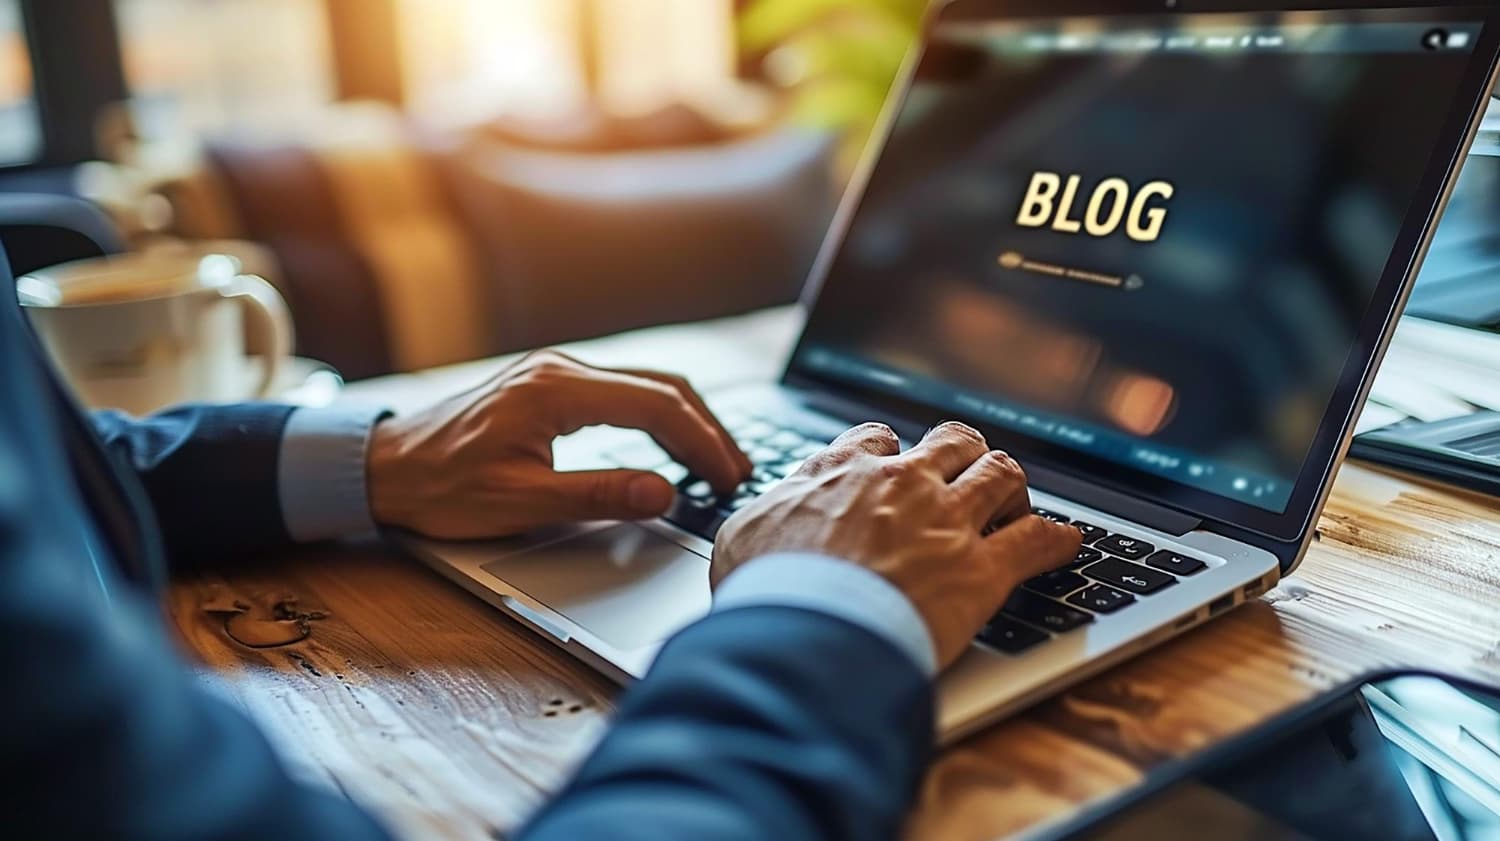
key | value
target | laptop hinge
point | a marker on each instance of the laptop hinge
(1071, 488)
(1111, 502)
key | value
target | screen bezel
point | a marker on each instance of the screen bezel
(1234, 750)
(1336, 428)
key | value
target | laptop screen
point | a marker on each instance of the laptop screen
(1148, 240)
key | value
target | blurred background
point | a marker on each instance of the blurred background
(431, 181)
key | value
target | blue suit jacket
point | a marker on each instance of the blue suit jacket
(756, 723)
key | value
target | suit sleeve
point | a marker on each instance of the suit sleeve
(210, 473)
(759, 722)
(104, 733)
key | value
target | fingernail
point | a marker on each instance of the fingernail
(649, 494)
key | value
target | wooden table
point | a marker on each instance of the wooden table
(374, 675)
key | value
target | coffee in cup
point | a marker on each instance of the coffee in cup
(140, 332)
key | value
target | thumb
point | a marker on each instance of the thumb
(608, 495)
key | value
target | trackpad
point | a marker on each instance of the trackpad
(624, 584)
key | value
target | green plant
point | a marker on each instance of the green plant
(837, 58)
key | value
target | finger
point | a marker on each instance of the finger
(869, 439)
(696, 400)
(993, 489)
(593, 396)
(536, 358)
(1029, 547)
(599, 495)
(949, 449)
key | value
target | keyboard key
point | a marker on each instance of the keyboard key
(1011, 636)
(1175, 563)
(1057, 584)
(785, 470)
(740, 502)
(807, 450)
(690, 516)
(1101, 599)
(755, 431)
(1050, 515)
(1085, 557)
(1129, 548)
(696, 489)
(1044, 613)
(1132, 578)
(642, 456)
(784, 440)
(764, 455)
(672, 472)
(734, 421)
(1091, 533)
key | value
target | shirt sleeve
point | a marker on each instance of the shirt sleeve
(321, 477)
(836, 588)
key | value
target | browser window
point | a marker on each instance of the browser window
(1151, 242)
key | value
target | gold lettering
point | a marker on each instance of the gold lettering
(1037, 208)
(1107, 207)
(1157, 215)
(1120, 189)
(1063, 223)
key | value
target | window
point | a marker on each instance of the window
(483, 56)
(20, 124)
(211, 65)
(546, 57)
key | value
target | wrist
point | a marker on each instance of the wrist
(388, 488)
(829, 585)
(323, 475)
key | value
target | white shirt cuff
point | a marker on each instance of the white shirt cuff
(837, 588)
(321, 474)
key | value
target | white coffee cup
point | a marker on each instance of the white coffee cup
(141, 332)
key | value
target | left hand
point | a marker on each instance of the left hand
(479, 465)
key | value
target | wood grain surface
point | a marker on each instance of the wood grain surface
(377, 677)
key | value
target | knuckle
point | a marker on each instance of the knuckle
(526, 381)
(542, 357)
(677, 404)
(882, 434)
(548, 368)
(961, 430)
(601, 494)
(861, 436)
(1002, 464)
(662, 399)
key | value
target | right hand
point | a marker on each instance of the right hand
(922, 520)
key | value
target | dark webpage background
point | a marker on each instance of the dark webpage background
(1293, 173)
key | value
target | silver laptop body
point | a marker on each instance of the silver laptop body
(998, 96)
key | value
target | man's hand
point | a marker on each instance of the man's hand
(949, 523)
(479, 465)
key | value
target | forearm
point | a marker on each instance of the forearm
(776, 717)
(210, 473)
(104, 733)
(227, 481)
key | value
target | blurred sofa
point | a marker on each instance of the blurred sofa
(401, 251)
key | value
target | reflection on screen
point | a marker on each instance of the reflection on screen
(1150, 243)
(1408, 759)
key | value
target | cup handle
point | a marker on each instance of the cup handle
(268, 326)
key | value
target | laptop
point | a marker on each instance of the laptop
(1155, 250)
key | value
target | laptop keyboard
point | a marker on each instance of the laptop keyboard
(775, 450)
(1112, 571)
